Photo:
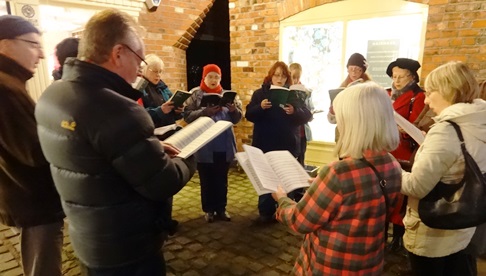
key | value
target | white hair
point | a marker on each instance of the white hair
(364, 117)
(152, 61)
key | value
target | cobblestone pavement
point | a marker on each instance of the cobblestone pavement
(239, 247)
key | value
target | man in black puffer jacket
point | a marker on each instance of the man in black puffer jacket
(111, 172)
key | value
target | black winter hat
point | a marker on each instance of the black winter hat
(404, 63)
(358, 59)
(12, 26)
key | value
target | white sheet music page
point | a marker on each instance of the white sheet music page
(242, 158)
(190, 132)
(262, 168)
(409, 128)
(204, 137)
(290, 172)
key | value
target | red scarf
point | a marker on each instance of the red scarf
(206, 89)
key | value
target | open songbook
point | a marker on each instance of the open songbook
(268, 170)
(197, 134)
(214, 99)
(279, 95)
(179, 97)
(409, 128)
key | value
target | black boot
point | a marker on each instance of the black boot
(396, 244)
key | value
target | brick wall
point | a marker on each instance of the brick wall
(456, 30)
(169, 31)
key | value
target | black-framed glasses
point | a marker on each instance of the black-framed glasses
(135, 53)
(31, 42)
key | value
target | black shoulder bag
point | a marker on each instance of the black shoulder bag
(456, 206)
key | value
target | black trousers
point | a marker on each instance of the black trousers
(303, 149)
(214, 183)
(460, 263)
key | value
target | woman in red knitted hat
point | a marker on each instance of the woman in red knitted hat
(213, 160)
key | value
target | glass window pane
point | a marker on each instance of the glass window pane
(3, 7)
(398, 36)
(318, 48)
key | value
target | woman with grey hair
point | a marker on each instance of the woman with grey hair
(343, 213)
(156, 94)
(452, 93)
(155, 99)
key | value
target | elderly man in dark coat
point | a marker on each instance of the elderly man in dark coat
(28, 199)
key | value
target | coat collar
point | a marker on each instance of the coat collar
(11, 67)
(76, 70)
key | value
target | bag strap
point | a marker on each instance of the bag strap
(459, 134)
(383, 190)
(468, 159)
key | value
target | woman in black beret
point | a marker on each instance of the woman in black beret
(408, 101)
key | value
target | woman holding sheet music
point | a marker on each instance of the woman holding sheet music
(213, 160)
(408, 102)
(155, 100)
(344, 212)
(452, 94)
(356, 68)
(156, 94)
(275, 127)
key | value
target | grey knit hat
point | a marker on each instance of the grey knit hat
(12, 26)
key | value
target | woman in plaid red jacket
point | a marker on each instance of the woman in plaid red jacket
(344, 212)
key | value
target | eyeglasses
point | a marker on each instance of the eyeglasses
(155, 72)
(36, 44)
(130, 49)
(400, 77)
(354, 69)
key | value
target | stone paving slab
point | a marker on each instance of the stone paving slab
(239, 247)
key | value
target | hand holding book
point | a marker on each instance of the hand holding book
(197, 134)
(179, 98)
(211, 110)
(279, 193)
(268, 170)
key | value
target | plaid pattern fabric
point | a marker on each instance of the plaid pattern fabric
(343, 216)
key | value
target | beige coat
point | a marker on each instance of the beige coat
(439, 158)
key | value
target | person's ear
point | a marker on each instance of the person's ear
(115, 55)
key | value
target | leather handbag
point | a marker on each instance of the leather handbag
(457, 206)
